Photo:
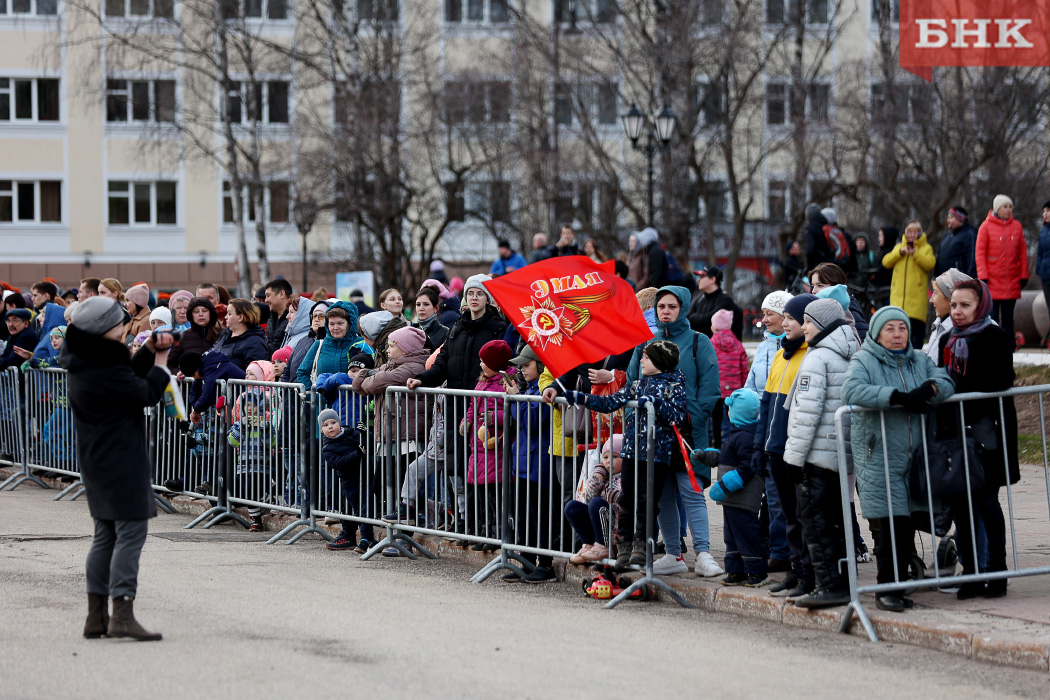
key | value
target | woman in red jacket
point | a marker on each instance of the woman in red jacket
(1002, 260)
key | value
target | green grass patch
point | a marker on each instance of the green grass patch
(1030, 448)
(1031, 375)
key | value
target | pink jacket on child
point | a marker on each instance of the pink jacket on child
(733, 364)
(484, 464)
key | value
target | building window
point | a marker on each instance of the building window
(276, 202)
(140, 8)
(715, 204)
(709, 103)
(269, 99)
(455, 206)
(776, 104)
(573, 12)
(894, 9)
(28, 99)
(777, 200)
(786, 11)
(477, 11)
(488, 201)
(478, 102)
(30, 202)
(592, 204)
(597, 101)
(140, 101)
(141, 203)
(252, 9)
(377, 10)
(817, 104)
(910, 102)
(28, 7)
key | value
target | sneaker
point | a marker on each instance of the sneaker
(581, 556)
(257, 524)
(891, 602)
(391, 551)
(863, 557)
(597, 552)
(757, 580)
(637, 556)
(823, 599)
(669, 564)
(511, 577)
(737, 578)
(341, 543)
(365, 545)
(329, 520)
(783, 588)
(706, 567)
(204, 488)
(801, 589)
(403, 512)
(539, 575)
(173, 485)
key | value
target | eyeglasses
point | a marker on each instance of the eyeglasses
(474, 294)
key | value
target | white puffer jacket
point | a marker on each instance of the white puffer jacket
(815, 397)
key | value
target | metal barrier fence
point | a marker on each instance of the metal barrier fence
(932, 507)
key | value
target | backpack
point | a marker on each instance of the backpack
(838, 244)
(674, 273)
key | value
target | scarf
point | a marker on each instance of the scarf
(425, 325)
(957, 351)
(790, 347)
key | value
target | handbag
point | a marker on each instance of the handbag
(947, 464)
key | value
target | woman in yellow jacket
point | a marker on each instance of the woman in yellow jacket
(911, 261)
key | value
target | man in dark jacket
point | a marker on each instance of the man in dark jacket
(817, 249)
(656, 259)
(108, 390)
(711, 300)
(566, 245)
(957, 245)
(277, 294)
(21, 337)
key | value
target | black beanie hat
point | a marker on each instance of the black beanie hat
(190, 363)
(361, 360)
(663, 354)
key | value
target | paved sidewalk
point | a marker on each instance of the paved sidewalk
(1012, 631)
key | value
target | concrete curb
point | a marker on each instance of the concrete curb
(976, 636)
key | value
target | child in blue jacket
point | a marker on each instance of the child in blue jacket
(739, 491)
(341, 451)
(662, 386)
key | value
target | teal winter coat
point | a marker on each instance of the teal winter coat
(874, 374)
(700, 371)
(334, 352)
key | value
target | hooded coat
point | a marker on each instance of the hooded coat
(733, 363)
(874, 374)
(194, 338)
(911, 276)
(1002, 256)
(54, 316)
(699, 370)
(244, 348)
(812, 437)
(817, 250)
(764, 354)
(957, 250)
(108, 390)
(332, 354)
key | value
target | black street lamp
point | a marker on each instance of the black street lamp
(305, 212)
(658, 137)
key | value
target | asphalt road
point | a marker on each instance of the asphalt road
(242, 619)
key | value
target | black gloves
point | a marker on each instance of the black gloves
(914, 401)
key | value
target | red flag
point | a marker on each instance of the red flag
(688, 462)
(571, 310)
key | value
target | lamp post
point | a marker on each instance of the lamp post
(305, 212)
(657, 138)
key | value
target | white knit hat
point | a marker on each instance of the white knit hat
(162, 314)
(477, 282)
(1000, 200)
(775, 302)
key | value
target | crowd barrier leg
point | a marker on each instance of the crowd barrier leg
(162, 503)
(308, 484)
(78, 484)
(395, 537)
(648, 579)
(503, 561)
(223, 509)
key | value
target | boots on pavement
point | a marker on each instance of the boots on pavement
(124, 624)
(98, 616)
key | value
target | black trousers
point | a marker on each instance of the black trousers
(820, 506)
(1003, 314)
(918, 332)
(631, 525)
(788, 491)
(481, 510)
(985, 502)
(904, 531)
(746, 550)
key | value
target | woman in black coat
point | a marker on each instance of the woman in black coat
(202, 333)
(243, 340)
(979, 357)
(107, 391)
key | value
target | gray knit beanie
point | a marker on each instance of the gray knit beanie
(824, 312)
(328, 414)
(96, 315)
(372, 324)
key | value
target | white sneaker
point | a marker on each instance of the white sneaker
(669, 564)
(706, 566)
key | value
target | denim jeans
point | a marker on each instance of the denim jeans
(778, 541)
(696, 515)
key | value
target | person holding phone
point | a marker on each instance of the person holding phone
(911, 261)
(108, 390)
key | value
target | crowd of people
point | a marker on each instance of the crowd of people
(761, 429)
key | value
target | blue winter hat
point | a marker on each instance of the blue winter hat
(743, 407)
(796, 308)
(883, 316)
(838, 293)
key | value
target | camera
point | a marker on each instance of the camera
(176, 336)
